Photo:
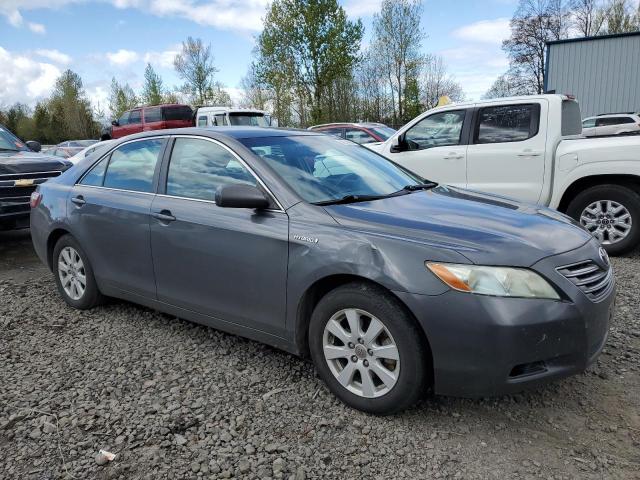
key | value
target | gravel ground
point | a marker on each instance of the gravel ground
(176, 400)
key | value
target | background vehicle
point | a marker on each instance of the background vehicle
(85, 152)
(390, 283)
(611, 124)
(530, 149)
(357, 132)
(143, 119)
(227, 116)
(70, 148)
(21, 170)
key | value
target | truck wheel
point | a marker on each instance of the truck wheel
(611, 213)
(368, 350)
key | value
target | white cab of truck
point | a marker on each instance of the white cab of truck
(228, 117)
(530, 149)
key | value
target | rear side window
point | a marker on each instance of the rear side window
(358, 136)
(177, 113)
(219, 120)
(336, 132)
(135, 117)
(437, 130)
(507, 123)
(571, 118)
(199, 167)
(608, 121)
(133, 165)
(202, 121)
(589, 123)
(152, 114)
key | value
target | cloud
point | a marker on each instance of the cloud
(55, 56)
(122, 57)
(23, 79)
(485, 31)
(37, 28)
(14, 18)
(362, 8)
(162, 59)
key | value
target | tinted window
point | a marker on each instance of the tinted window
(182, 112)
(152, 114)
(358, 136)
(436, 130)
(608, 121)
(248, 119)
(323, 168)
(199, 167)
(135, 117)
(124, 119)
(202, 121)
(132, 166)
(506, 123)
(570, 118)
(589, 123)
(96, 174)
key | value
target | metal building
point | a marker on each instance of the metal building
(602, 72)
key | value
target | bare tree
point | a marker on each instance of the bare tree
(436, 83)
(588, 17)
(505, 86)
(621, 17)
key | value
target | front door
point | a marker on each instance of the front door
(507, 154)
(109, 215)
(435, 149)
(228, 263)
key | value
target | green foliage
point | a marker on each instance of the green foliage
(71, 116)
(195, 65)
(121, 98)
(153, 90)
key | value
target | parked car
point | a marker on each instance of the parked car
(70, 148)
(611, 124)
(357, 132)
(227, 116)
(85, 152)
(143, 119)
(317, 245)
(22, 168)
(530, 148)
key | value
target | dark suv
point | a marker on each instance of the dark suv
(142, 119)
(21, 169)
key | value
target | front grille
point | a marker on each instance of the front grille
(594, 281)
(9, 189)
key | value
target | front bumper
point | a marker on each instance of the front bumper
(14, 211)
(485, 346)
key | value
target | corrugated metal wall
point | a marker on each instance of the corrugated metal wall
(603, 74)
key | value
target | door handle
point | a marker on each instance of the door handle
(79, 200)
(163, 216)
(453, 156)
(529, 153)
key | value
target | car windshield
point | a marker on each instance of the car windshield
(248, 119)
(9, 141)
(324, 169)
(383, 132)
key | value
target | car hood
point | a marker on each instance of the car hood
(484, 228)
(27, 162)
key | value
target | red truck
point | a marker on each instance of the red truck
(142, 119)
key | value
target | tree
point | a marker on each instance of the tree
(121, 98)
(153, 90)
(71, 109)
(42, 123)
(255, 94)
(504, 86)
(195, 66)
(621, 17)
(305, 47)
(535, 23)
(398, 41)
(588, 17)
(437, 83)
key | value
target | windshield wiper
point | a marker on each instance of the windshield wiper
(420, 186)
(350, 199)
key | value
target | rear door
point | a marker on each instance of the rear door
(507, 152)
(228, 263)
(177, 116)
(152, 118)
(109, 214)
(435, 147)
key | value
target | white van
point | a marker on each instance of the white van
(227, 116)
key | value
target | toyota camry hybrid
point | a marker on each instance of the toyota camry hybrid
(393, 285)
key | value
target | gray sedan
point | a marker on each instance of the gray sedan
(392, 284)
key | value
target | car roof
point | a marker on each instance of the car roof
(230, 132)
(344, 124)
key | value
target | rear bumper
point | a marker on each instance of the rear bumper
(484, 346)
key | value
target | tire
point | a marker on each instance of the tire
(617, 196)
(368, 303)
(67, 248)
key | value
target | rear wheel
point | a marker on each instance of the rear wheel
(611, 213)
(368, 349)
(74, 275)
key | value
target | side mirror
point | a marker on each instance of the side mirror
(115, 123)
(241, 196)
(397, 144)
(34, 146)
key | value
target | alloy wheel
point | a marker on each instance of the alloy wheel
(609, 221)
(71, 271)
(361, 353)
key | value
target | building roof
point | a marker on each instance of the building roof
(597, 37)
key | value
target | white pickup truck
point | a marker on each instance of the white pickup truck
(531, 149)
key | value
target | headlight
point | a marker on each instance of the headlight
(500, 281)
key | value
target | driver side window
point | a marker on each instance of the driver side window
(124, 119)
(437, 130)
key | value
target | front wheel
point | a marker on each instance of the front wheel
(368, 349)
(611, 213)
